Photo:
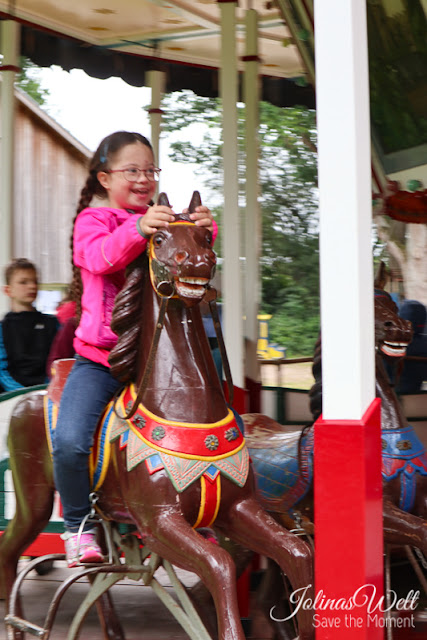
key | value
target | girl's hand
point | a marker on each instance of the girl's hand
(202, 217)
(156, 217)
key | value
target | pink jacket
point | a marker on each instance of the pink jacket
(105, 241)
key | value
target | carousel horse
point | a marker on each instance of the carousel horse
(174, 458)
(282, 457)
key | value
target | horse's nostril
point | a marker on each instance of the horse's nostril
(388, 324)
(180, 256)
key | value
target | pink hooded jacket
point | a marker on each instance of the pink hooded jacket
(106, 241)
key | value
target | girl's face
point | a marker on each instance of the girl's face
(123, 194)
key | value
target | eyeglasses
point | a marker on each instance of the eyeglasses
(133, 174)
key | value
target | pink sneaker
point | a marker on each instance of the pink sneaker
(85, 550)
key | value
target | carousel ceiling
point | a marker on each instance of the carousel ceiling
(176, 30)
(179, 37)
(183, 39)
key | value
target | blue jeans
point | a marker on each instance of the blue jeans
(89, 387)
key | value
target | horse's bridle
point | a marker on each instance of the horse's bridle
(210, 297)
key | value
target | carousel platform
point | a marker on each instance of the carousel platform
(141, 613)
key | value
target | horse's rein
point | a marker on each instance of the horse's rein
(153, 350)
(211, 300)
(150, 361)
(210, 297)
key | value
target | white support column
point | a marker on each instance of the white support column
(253, 229)
(347, 439)
(157, 84)
(345, 208)
(10, 40)
(231, 280)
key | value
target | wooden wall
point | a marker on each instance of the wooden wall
(50, 170)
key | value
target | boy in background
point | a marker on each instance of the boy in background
(26, 335)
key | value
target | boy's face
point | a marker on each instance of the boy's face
(23, 287)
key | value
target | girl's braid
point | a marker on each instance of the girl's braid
(91, 188)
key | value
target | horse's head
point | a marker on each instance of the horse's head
(392, 333)
(392, 336)
(182, 261)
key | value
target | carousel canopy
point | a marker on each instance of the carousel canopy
(183, 38)
(128, 39)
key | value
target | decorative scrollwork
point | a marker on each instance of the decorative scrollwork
(231, 434)
(404, 445)
(139, 422)
(211, 442)
(158, 433)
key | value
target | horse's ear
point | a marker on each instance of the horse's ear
(163, 200)
(195, 201)
(381, 276)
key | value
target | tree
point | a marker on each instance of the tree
(288, 201)
(28, 82)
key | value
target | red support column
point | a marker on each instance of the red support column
(349, 527)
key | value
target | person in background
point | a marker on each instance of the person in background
(105, 240)
(66, 309)
(63, 344)
(26, 335)
(414, 372)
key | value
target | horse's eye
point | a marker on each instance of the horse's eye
(208, 238)
(158, 239)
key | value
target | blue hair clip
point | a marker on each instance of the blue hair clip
(103, 154)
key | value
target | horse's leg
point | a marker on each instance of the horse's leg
(30, 519)
(403, 528)
(270, 595)
(34, 501)
(420, 504)
(33, 484)
(248, 524)
(173, 538)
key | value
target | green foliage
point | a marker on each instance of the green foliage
(397, 72)
(288, 201)
(28, 82)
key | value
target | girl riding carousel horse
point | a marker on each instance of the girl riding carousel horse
(105, 240)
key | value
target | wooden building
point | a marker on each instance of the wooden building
(50, 170)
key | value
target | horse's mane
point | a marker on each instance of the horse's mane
(125, 322)
(315, 393)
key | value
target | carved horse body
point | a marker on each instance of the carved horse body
(282, 457)
(177, 458)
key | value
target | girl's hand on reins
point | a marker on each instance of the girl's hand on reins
(156, 217)
(202, 217)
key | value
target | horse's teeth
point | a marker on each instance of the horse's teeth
(201, 281)
(396, 344)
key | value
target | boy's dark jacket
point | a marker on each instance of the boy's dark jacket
(27, 338)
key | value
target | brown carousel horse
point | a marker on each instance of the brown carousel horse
(177, 459)
(282, 457)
